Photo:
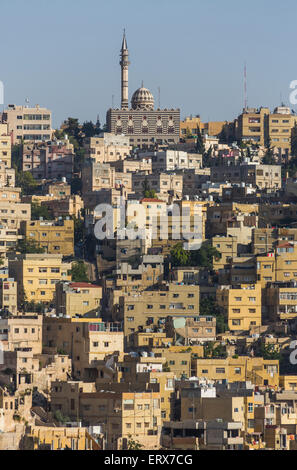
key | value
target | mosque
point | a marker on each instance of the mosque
(144, 125)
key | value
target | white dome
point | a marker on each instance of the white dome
(142, 99)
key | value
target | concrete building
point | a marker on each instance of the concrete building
(51, 160)
(8, 295)
(54, 236)
(170, 160)
(78, 299)
(5, 146)
(260, 176)
(149, 309)
(28, 123)
(37, 275)
(107, 147)
(124, 415)
(241, 305)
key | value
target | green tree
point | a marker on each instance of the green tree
(133, 445)
(147, 191)
(38, 211)
(200, 148)
(88, 129)
(179, 256)
(79, 272)
(268, 158)
(29, 246)
(26, 182)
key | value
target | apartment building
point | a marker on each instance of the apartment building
(190, 125)
(51, 160)
(58, 438)
(262, 127)
(85, 340)
(252, 125)
(170, 160)
(8, 239)
(280, 300)
(5, 147)
(232, 217)
(8, 295)
(227, 246)
(123, 415)
(163, 184)
(37, 275)
(148, 309)
(190, 330)
(241, 305)
(78, 299)
(280, 124)
(98, 176)
(255, 369)
(133, 165)
(22, 332)
(58, 190)
(7, 176)
(259, 176)
(279, 265)
(10, 194)
(13, 213)
(54, 236)
(28, 123)
(107, 147)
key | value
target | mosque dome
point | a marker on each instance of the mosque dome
(142, 99)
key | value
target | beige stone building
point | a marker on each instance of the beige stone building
(13, 213)
(123, 415)
(37, 275)
(241, 305)
(24, 332)
(5, 148)
(78, 299)
(260, 176)
(97, 176)
(54, 236)
(7, 176)
(28, 123)
(256, 369)
(149, 309)
(85, 340)
(107, 147)
(8, 295)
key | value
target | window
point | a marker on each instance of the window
(250, 407)
(220, 370)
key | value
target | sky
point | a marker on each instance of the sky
(64, 54)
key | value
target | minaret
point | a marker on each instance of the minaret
(124, 63)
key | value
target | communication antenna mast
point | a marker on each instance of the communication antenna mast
(27, 102)
(245, 87)
(112, 101)
(159, 98)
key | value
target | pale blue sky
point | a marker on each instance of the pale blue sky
(64, 54)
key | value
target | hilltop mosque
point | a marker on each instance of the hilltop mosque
(144, 125)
